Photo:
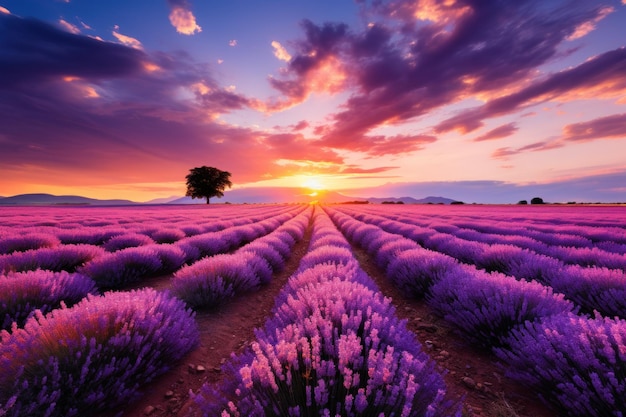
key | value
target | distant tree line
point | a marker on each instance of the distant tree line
(534, 200)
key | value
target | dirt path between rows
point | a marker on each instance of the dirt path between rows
(226, 329)
(471, 373)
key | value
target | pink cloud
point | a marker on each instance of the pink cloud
(602, 73)
(498, 133)
(69, 27)
(611, 127)
(127, 40)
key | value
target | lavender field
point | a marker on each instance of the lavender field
(98, 303)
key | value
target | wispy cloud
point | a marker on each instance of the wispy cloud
(586, 27)
(182, 18)
(611, 127)
(69, 27)
(280, 52)
(127, 40)
(603, 75)
(498, 133)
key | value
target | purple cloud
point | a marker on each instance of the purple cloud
(419, 56)
(76, 111)
(605, 127)
(609, 127)
(498, 133)
(32, 51)
(603, 73)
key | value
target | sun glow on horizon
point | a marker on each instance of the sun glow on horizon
(313, 183)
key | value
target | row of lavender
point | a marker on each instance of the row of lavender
(576, 363)
(150, 228)
(214, 279)
(583, 227)
(69, 272)
(592, 288)
(95, 355)
(334, 346)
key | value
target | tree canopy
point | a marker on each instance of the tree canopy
(207, 182)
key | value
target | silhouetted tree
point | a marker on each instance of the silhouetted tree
(207, 182)
(537, 200)
(522, 202)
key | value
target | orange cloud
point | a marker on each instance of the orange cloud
(329, 77)
(440, 11)
(127, 40)
(4, 10)
(184, 21)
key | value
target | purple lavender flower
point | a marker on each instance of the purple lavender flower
(94, 356)
(24, 292)
(486, 307)
(415, 271)
(59, 258)
(600, 289)
(326, 254)
(213, 280)
(123, 267)
(167, 235)
(391, 249)
(576, 364)
(127, 240)
(336, 348)
(26, 242)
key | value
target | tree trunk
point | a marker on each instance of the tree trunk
(207, 200)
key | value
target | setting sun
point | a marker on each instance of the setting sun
(313, 183)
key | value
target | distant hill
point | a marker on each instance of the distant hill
(164, 200)
(53, 200)
(411, 200)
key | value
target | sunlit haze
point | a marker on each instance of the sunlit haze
(471, 100)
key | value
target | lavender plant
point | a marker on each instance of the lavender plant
(213, 280)
(167, 235)
(415, 271)
(26, 242)
(127, 240)
(115, 270)
(599, 289)
(24, 292)
(576, 364)
(93, 356)
(336, 348)
(487, 307)
(59, 258)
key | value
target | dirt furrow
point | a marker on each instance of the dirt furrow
(223, 330)
(472, 374)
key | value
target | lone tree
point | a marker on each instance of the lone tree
(207, 182)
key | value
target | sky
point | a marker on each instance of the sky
(477, 98)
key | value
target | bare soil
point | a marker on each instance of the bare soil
(471, 375)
